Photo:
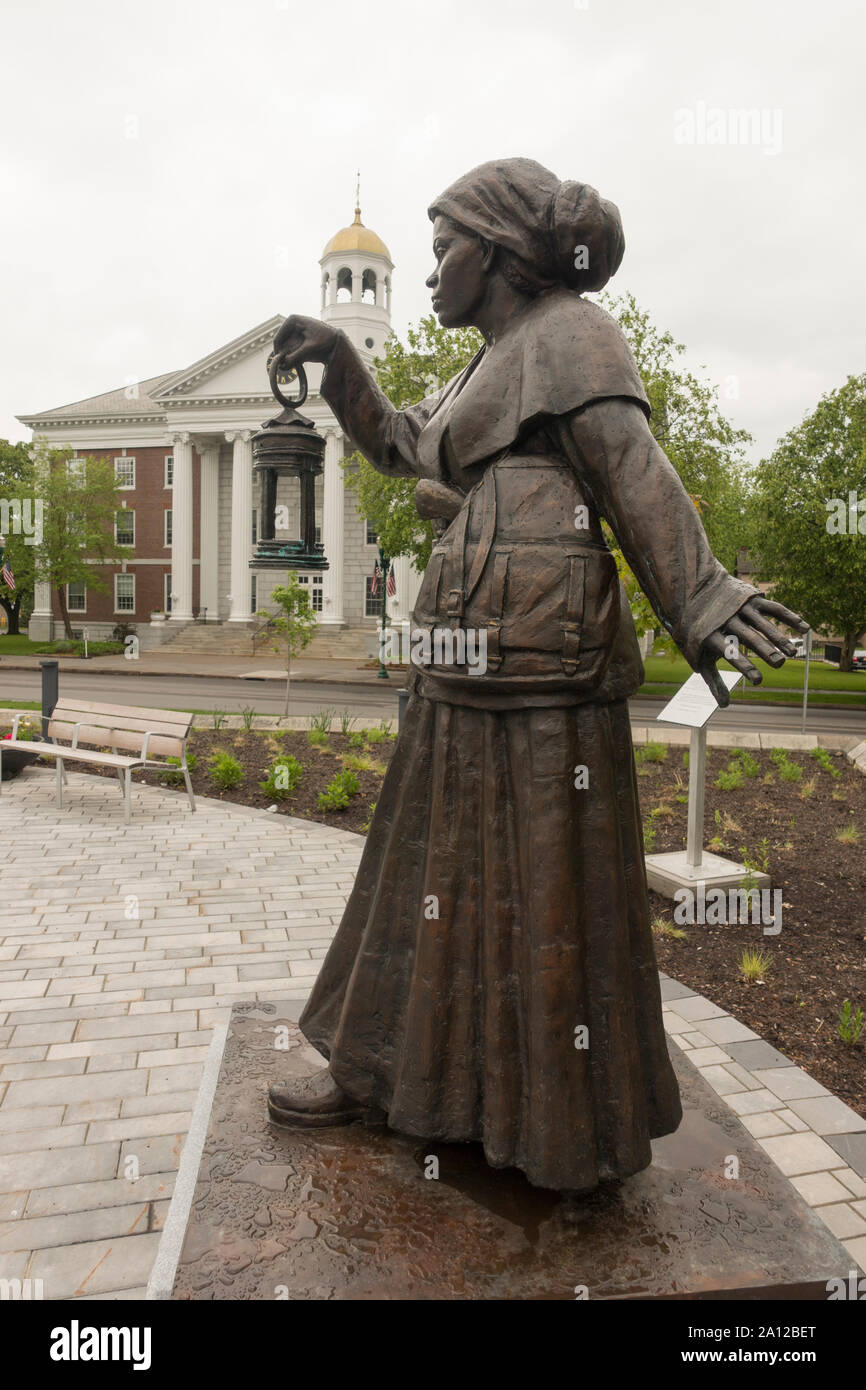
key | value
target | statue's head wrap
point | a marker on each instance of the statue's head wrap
(556, 233)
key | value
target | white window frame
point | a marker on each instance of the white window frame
(167, 594)
(168, 471)
(367, 528)
(127, 545)
(168, 519)
(69, 607)
(254, 593)
(316, 589)
(117, 607)
(125, 459)
(368, 579)
(75, 469)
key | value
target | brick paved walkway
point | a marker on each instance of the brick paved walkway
(121, 949)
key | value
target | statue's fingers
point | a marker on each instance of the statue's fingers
(778, 610)
(719, 690)
(766, 646)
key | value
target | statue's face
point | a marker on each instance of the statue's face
(459, 281)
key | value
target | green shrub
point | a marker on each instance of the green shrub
(317, 737)
(730, 779)
(651, 753)
(356, 739)
(225, 771)
(376, 735)
(171, 774)
(750, 766)
(336, 795)
(822, 757)
(850, 1024)
(323, 720)
(788, 771)
(283, 777)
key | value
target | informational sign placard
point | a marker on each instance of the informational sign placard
(694, 702)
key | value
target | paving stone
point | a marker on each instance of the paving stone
(854, 1184)
(55, 1167)
(161, 1102)
(30, 1117)
(66, 1089)
(750, 1102)
(68, 1271)
(800, 1153)
(157, 1155)
(726, 1030)
(857, 1249)
(820, 1188)
(93, 1196)
(58, 1137)
(723, 1083)
(765, 1123)
(851, 1148)
(757, 1053)
(827, 1115)
(74, 1228)
(672, 989)
(793, 1120)
(843, 1221)
(790, 1083)
(708, 1056)
(695, 1010)
(135, 1126)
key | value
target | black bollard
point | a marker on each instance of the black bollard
(50, 691)
(402, 702)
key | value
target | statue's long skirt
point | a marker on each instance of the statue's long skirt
(493, 977)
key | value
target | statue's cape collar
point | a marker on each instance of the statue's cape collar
(558, 355)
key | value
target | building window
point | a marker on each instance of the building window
(124, 527)
(168, 593)
(318, 535)
(124, 593)
(76, 471)
(255, 526)
(371, 537)
(315, 590)
(372, 602)
(169, 470)
(76, 597)
(254, 592)
(168, 526)
(124, 473)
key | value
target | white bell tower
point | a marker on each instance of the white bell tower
(356, 285)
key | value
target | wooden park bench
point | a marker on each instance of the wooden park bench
(141, 732)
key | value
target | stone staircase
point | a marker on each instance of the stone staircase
(236, 639)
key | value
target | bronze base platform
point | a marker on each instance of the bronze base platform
(348, 1213)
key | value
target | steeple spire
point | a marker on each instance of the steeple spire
(358, 222)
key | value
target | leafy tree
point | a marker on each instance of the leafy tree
(809, 516)
(707, 451)
(80, 499)
(16, 489)
(295, 623)
(407, 373)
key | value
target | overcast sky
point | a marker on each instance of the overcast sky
(171, 171)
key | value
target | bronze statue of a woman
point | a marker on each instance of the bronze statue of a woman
(493, 978)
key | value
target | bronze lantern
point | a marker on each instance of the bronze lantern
(288, 445)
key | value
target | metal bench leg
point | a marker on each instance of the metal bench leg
(62, 769)
(127, 782)
(59, 784)
(188, 787)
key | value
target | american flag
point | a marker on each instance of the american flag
(390, 584)
(374, 582)
(6, 575)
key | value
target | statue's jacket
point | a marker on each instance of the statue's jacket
(519, 457)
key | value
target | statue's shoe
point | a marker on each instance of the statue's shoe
(312, 1102)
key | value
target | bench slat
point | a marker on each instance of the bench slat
(132, 739)
(54, 750)
(116, 721)
(69, 706)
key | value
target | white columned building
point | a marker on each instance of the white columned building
(241, 532)
(182, 446)
(181, 535)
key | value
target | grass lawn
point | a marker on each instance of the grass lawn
(660, 669)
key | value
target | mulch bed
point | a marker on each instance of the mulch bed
(816, 962)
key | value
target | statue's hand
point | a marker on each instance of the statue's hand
(749, 627)
(301, 340)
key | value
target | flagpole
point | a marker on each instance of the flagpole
(384, 565)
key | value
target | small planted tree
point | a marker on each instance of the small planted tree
(294, 624)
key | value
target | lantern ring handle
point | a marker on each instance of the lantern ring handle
(302, 384)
